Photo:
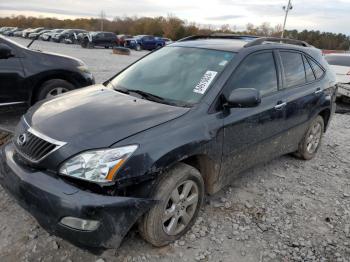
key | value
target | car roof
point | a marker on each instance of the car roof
(235, 43)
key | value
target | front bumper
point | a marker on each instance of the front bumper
(48, 198)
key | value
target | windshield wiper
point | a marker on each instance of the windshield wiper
(147, 95)
(122, 90)
(151, 97)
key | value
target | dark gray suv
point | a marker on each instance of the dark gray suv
(147, 145)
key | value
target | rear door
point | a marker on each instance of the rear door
(99, 39)
(148, 42)
(251, 135)
(302, 89)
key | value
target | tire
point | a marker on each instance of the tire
(312, 139)
(153, 225)
(84, 43)
(121, 51)
(50, 86)
(138, 48)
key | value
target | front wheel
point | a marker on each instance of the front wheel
(53, 88)
(311, 142)
(181, 193)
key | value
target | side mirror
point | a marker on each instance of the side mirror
(5, 51)
(243, 97)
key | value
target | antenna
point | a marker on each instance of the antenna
(286, 9)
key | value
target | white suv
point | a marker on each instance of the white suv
(340, 63)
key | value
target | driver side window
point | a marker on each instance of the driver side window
(256, 71)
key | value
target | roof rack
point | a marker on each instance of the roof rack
(261, 40)
(218, 36)
(254, 40)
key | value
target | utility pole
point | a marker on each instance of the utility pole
(286, 9)
(102, 17)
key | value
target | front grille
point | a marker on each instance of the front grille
(35, 148)
(32, 145)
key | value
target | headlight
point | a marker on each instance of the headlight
(84, 69)
(97, 166)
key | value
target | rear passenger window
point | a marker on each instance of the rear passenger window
(308, 70)
(294, 71)
(317, 69)
(257, 71)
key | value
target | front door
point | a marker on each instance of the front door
(11, 79)
(251, 135)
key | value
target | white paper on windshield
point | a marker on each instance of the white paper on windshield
(205, 82)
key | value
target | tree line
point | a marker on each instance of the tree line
(176, 28)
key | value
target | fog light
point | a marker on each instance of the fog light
(80, 224)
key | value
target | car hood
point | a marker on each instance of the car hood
(97, 117)
(48, 55)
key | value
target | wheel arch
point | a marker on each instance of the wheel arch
(206, 167)
(325, 114)
(67, 76)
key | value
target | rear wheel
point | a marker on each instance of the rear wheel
(181, 193)
(53, 88)
(311, 142)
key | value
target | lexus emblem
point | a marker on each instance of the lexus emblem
(22, 139)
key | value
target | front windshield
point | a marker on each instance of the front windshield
(178, 74)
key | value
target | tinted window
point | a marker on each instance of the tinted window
(294, 71)
(308, 70)
(339, 60)
(257, 71)
(317, 69)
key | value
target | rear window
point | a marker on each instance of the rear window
(317, 69)
(294, 71)
(339, 60)
(310, 76)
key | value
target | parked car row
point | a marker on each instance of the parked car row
(88, 39)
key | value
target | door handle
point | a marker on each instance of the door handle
(318, 91)
(280, 106)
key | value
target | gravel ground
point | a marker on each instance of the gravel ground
(285, 210)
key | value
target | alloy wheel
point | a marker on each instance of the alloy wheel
(314, 138)
(180, 207)
(56, 91)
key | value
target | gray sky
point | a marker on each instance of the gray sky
(324, 15)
